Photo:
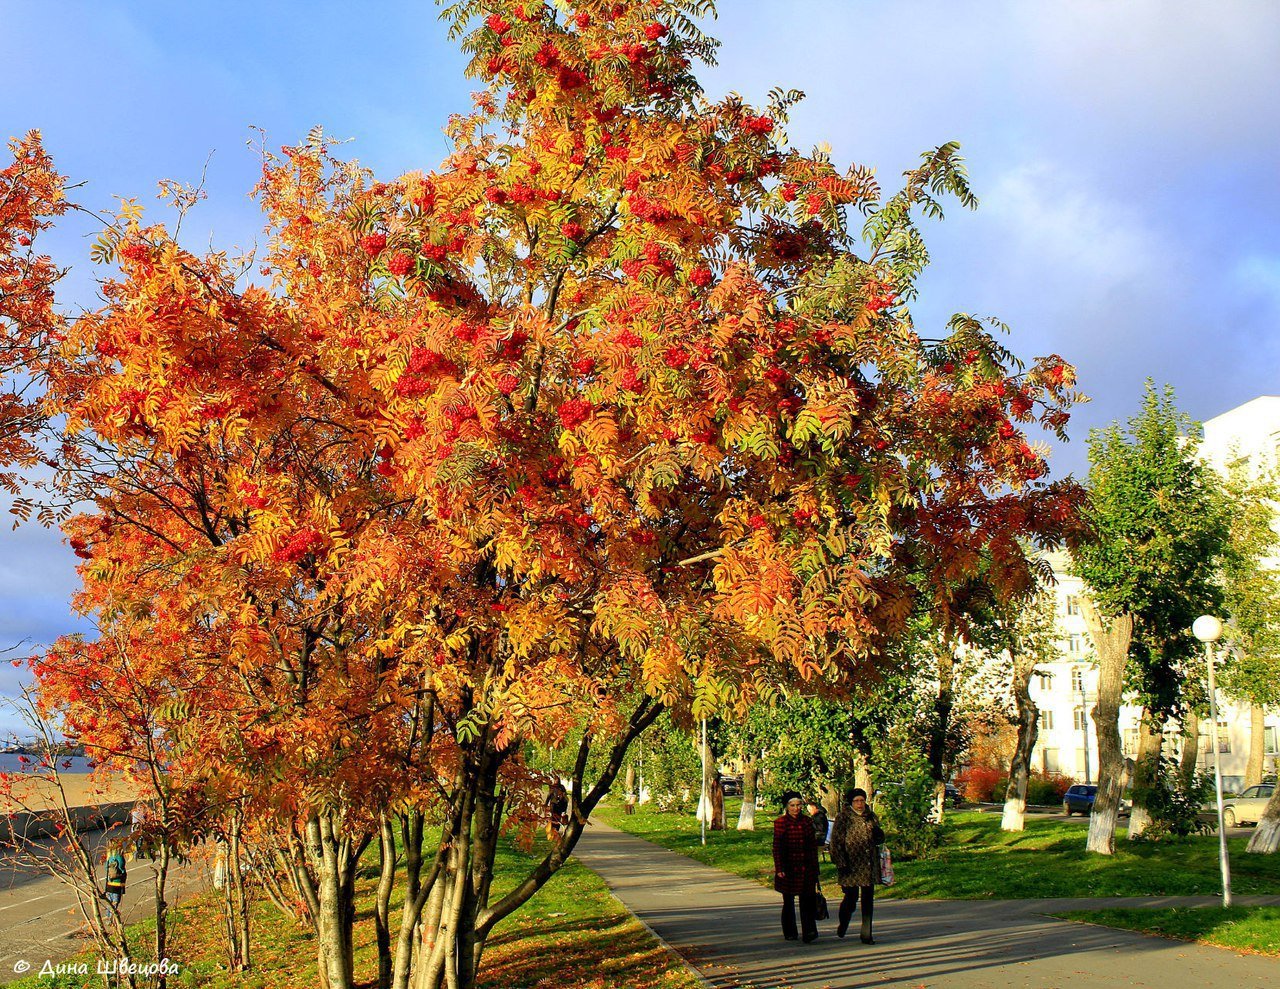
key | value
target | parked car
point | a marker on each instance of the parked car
(1247, 807)
(953, 795)
(1079, 800)
(731, 785)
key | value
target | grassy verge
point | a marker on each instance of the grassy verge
(979, 861)
(1253, 929)
(573, 933)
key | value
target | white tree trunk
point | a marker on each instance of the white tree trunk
(1111, 638)
(1266, 839)
(747, 815)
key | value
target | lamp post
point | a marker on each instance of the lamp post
(1208, 630)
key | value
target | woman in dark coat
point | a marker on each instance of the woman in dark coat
(795, 867)
(854, 838)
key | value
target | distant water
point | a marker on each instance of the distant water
(14, 764)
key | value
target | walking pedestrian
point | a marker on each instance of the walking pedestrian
(854, 840)
(117, 876)
(795, 867)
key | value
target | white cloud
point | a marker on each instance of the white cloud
(1052, 220)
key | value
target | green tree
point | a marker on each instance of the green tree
(1251, 596)
(1159, 533)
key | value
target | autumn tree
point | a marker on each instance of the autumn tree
(615, 411)
(1159, 530)
(31, 197)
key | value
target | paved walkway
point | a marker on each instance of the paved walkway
(727, 928)
(40, 920)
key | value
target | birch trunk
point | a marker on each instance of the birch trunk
(1111, 638)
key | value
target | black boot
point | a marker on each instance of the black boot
(868, 892)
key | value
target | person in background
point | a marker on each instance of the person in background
(557, 807)
(821, 824)
(795, 867)
(117, 876)
(854, 840)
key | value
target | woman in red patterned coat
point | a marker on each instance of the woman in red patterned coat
(795, 867)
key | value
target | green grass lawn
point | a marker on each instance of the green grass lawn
(1255, 929)
(573, 933)
(979, 861)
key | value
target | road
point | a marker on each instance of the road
(40, 919)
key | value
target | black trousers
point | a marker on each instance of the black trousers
(851, 896)
(808, 920)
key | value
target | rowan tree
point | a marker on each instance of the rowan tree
(614, 411)
(31, 196)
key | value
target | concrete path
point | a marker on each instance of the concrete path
(727, 928)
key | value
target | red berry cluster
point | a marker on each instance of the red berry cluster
(401, 264)
(303, 542)
(373, 244)
(758, 125)
(574, 412)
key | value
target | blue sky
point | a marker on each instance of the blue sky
(1126, 156)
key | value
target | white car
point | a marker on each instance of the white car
(1247, 808)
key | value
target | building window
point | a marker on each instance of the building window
(1129, 742)
(1051, 761)
(1046, 721)
(1270, 740)
(1046, 680)
(1075, 644)
(1224, 739)
(1073, 604)
(1081, 720)
(1077, 679)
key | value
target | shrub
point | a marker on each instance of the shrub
(978, 784)
(904, 801)
(1175, 806)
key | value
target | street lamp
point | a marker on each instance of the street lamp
(1208, 630)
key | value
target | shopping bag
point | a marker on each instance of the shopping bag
(886, 866)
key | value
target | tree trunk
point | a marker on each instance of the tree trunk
(334, 857)
(1266, 839)
(161, 870)
(1015, 794)
(1190, 749)
(942, 706)
(1257, 745)
(1146, 771)
(382, 901)
(1111, 638)
(747, 815)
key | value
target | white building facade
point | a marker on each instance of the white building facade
(1066, 691)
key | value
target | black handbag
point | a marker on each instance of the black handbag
(820, 911)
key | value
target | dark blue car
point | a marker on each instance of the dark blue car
(1079, 799)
